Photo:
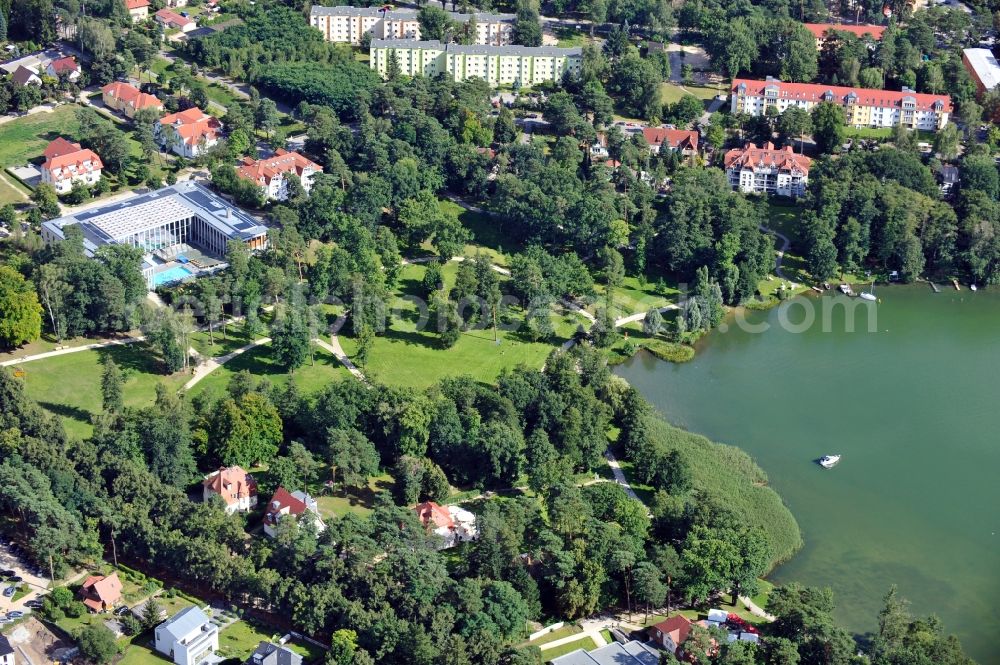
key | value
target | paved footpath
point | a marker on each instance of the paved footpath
(334, 347)
(213, 364)
(73, 349)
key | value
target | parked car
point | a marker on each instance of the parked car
(34, 604)
(10, 591)
(8, 573)
(16, 578)
(15, 614)
(121, 611)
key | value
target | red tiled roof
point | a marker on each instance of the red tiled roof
(62, 154)
(283, 499)
(60, 147)
(677, 627)
(136, 4)
(100, 592)
(783, 159)
(819, 30)
(262, 171)
(170, 16)
(815, 92)
(430, 512)
(232, 484)
(64, 65)
(679, 139)
(131, 95)
(191, 125)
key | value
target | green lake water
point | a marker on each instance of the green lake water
(915, 411)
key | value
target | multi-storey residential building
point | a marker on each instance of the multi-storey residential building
(66, 163)
(767, 170)
(862, 107)
(982, 67)
(236, 488)
(350, 24)
(821, 30)
(188, 132)
(128, 99)
(270, 173)
(684, 141)
(497, 65)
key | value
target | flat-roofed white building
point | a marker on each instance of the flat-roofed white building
(350, 24)
(497, 65)
(163, 223)
(983, 67)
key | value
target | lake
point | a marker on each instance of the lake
(914, 410)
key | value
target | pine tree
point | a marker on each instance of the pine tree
(112, 389)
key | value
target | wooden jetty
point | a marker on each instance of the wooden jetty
(935, 287)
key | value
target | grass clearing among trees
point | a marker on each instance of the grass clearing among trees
(69, 386)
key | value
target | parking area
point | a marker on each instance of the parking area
(28, 582)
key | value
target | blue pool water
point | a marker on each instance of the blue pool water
(174, 274)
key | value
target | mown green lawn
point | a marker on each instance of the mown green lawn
(238, 640)
(569, 38)
(636, 295)
(565, 631)
(258, 361)
(215, 344)
(359, 501)
(23, 140)
(488, 234)
(69, 386)
(672, 92)
(586, 642)
(10, 193)
(407, 356)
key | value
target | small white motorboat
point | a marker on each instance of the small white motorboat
(869, 295)
(829, 461)
(973, 287)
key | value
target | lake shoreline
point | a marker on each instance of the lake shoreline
(928, 349)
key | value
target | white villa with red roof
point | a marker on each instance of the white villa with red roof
(453, 524)
(684, 141)
(126, 98)
(270, 173)
(67, 66)
(863, 107)
(137, 9)
(236, 487)
(101, 593)
(767, 170)
(67, 163)
(188, 133)
(296, 505)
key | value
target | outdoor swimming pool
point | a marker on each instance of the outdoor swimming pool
(175, 274)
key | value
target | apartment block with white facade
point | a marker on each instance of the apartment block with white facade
(523, 66)
(349, 24)
(863, 107)
(767, 170)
